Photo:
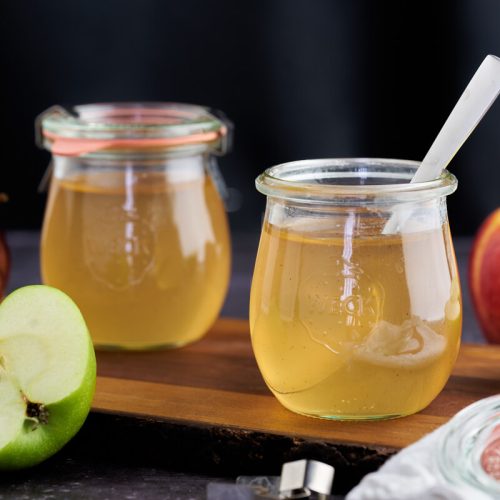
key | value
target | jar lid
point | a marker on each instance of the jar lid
(132, 127)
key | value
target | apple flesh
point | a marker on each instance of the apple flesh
(47, 374)
(484, 276)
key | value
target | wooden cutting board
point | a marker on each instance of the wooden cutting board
(215, 382)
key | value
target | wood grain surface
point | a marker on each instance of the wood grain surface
(215, 383)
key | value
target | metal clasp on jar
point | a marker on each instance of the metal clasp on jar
(300, 479)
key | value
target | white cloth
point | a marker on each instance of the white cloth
(414, 474)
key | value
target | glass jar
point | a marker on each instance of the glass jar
(135, 229)
(355, 309)
(469, 450)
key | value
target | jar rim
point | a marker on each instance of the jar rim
(313, 181)
(132, 126)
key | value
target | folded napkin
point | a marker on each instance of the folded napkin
(414, 474)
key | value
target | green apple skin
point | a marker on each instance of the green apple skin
(34, 444)
(65, 419)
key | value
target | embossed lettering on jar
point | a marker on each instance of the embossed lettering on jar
(348, 322)
(135, 230)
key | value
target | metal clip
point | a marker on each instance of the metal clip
(218, 180)
(304, 476)
(226, 133)
(40, 141)
(302, 479)
(52, 111)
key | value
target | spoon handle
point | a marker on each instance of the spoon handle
(477, 98)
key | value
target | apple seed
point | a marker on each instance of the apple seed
(36, 412)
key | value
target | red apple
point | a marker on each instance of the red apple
(4, 263)
(4, 256)
(484, 276)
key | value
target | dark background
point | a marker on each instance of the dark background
(299, 78)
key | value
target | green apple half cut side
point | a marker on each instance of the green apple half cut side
(47, 374)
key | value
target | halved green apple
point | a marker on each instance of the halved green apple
(47, 374)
